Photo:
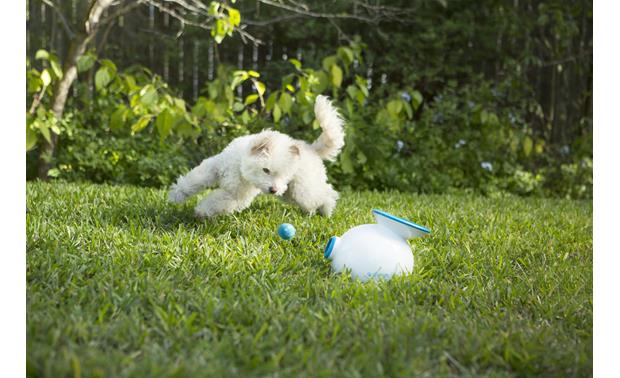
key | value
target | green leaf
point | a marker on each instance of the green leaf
(484, 117)
(179, 104)
(34, 83)
(492, 119)
(56, 68)
(102, 78)
(336, 75)
(361, 158)
(164, 123)
(303, 84)
(234, 16)
(394, 107)
(290, 88)
(245, 117)
(46, 77)
(539, 147)
(85, 62)
(242, 73)
(130, 83)
(251, 99)
(295, 63)
(238, 78)
(286, 102)
(416, 99)
(346, 54)
(328, 62)
(349, 105)
(528, 144)
(148, 95)
(42, 54)
(119, 117)
(54, 125)
(271, 100)
(141, 123)
(110, 66)
(200, 108)
(360, 97)
(305, 98)
(408, 110)
(307, 117)
(212, 90)
(42, 125)
(31, 135)
(277, 113)
(54, 172)
(260, 87)
(345, 162)
(237, 106)
(214, 8)
(362, 84)
(322, 82)
(352, 91)
(219, 31)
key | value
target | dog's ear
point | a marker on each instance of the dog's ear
(261, 146)
(294, 150)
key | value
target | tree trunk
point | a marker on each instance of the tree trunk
(61, 92)
(77, 48)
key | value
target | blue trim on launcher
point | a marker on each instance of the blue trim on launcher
(401, 221)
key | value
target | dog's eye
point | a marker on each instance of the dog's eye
(267, 171)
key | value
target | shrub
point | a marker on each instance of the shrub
(474, 135)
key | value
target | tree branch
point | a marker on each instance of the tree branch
(121, 11)
(206, 24)
(273, 20)
(344, 35)
(304, 10)
(375, 13)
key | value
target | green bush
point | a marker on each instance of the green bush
(466, 136)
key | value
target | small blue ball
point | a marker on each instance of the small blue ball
(286, 231)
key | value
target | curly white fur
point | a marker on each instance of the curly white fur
(268, 162)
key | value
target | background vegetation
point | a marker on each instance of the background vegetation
(489, 96)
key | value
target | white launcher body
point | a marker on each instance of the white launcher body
(373, 251)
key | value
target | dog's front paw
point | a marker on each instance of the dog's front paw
(176, 195)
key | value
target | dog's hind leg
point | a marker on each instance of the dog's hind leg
(194, 181)
(329, 202)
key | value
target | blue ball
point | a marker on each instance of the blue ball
(286, 231)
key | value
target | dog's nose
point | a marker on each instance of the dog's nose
(272, 189)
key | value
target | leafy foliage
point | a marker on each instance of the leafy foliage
(40, 120)
(469, 137)
(492, 99)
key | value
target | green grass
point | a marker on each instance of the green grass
(120, 283)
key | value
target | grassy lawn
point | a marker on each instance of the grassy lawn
(120, 283)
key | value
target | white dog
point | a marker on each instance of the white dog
(268, 162)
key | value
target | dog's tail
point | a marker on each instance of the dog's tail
(331, 140)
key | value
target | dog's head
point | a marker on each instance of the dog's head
(270, 162)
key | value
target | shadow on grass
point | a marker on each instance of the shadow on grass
(157, 217)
